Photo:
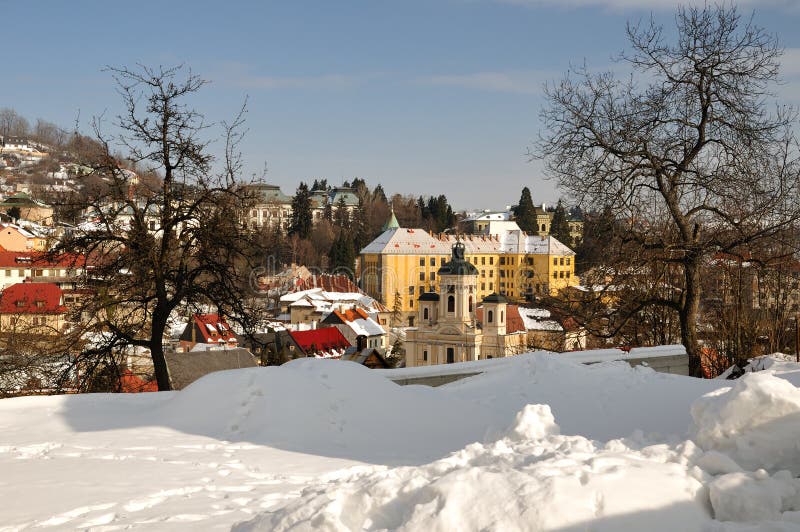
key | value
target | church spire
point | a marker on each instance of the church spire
(391, 223)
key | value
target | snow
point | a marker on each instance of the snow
(534, 442)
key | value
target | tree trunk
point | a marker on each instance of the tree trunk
(157, 353)
(688, 314)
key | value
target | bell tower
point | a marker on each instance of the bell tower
(458, 281)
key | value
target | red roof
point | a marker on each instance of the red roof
(514, 321)
(32, 298)
(27, 259)
(130, 383)
(351, 315)
(214, 328)
(323, 339)
(329, 283)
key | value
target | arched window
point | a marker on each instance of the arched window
(490, 316)
(470, 303)
(451, 304)
(502, 317)
(425, 313)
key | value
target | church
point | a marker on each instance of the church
(447, 329)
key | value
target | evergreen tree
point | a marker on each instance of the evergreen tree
(341, 216)
(397, 310)
(525, 213)
(360, 186)
(327, 212)
(301, 220)
(342, 255)
(359, 224)
(379, 194)
(319, 184)
(559, 226)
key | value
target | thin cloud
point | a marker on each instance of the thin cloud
(240, 75)
(654, 5)
(513, 82)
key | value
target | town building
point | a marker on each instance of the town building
(16, 267)
(327, 342)
(28, 208)
(16, 238)
(207, 330)
(32, 309)
(447, 328)
(355, 324)
(271, 208)
(401, 263)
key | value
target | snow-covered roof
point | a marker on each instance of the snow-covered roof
(538, 319)
(403, 241)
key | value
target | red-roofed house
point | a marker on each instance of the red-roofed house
(16, 267)
(207, 329)
(355, 323)
(327, 342)
(36, 308)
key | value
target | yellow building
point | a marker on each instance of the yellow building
(403, 263)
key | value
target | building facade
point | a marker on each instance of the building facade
(447, 330)
(403, 263)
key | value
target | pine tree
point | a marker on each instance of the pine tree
(559, 226)
(525, 213)
(341, 216)
(342, 256)
(301, 220)
(379, 194)
(397, 310)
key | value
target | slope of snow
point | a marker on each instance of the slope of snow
(534, 442)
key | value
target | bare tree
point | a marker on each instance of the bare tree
(684, 152)
(177, 242)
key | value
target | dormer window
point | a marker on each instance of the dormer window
(40, 304)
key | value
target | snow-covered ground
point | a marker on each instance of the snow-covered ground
(536, 442)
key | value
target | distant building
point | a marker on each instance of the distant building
(207, 329)
(29, 209)
(327, 342)
(16, 238)
(356, 324)
(272, 208)
(448, 330)
(32, 308)
(16, 267)
(400, 264)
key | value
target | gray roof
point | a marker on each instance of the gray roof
(269, 193)
(185, 368)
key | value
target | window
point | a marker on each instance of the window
(425, 356)
(411, 290)
(544, 229)
(425, 313)
(433, 262)
(451, 304)
(483, 261)
(491, 273)
(470, 303)
(567, 261)
(421, 276)
(422, 261)
(491, 286)
(502, 261)
(433, 276)
(491, 260)
(502, 317)
(567, 275)
(483, 286)
(561, 274)
(555, 261)
(562, 261)
(489, 316)
(451, 355)
(555, 275)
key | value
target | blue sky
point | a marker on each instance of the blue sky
(425, 97)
